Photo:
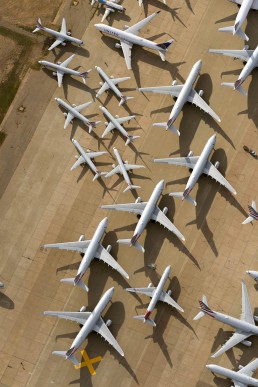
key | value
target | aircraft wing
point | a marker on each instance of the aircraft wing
(103, 330)
(108, 129)
(188, 162)
(129, 167)
(114, 171)
(250, 368)
(235, 339)
(197, 100)
(171, 90)
(213, 172)
(149, 291)
(121, 120)
(164, 297)
(75, 246)
(127, 51)
(115, 81)
(135, 29)
(63, 27)
(66, 62)
(78, 162)
(103, 88)
(68, 119)
(59, 78)
(106, 13)
(104, 256)
(246, 314)
(82, 106)
(244, 55)
(92, 155)
(161, 218)
(136, 208)
(79, 317)
(56, 43)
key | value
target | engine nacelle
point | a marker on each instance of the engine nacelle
(54, 73)
(216, 165)
(246, 47)
(117, 45)
(108, 323)
(201, 92)
(247, 343)
(106, 123)
(68, 33)
(169, 292)
(63, 44)
(76, 157)
(113, 165)
(165, 210)
(116, 116)
(138, 200)
(126, 162)
(240, 367)
(101, 83)
(174, 83)
(126, 27)
(255, 318)
(82, 238)
(150, 285)
(109, 247)
(83, 309)
(65, 114)
(190, 154)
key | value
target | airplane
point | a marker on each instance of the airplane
(86, 157)
(245, 6)
(200, 165)
(61, 36)
(110, 83)
(129, 37)
(184, 93)
(89, 249)
(156, 294)
(115, 123)
(91, 321)
(253, 214)
(110, 5)
(147, 211)
(253, 274)
(61, 68)
(241, 378)
(245, 326)
(123, 168)
(74, 112)
(141, 2)
(1, 285)
(248, 56)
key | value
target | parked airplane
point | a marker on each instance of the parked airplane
(245, 6)
(147, 211)
(91, 321)
(184, 93)
(115, 123)
(61, 68)
(156, 294)
(248, 56)
(241, 378)
(245, 326)
(85, 158)
(110, 5)
(89, 249)
(253, 214)
(128, 38)
(123, 168)
(74, 112)
(61, 36)
(110, 83)
(253, 274)
(200, 165)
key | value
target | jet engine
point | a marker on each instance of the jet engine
(65, 114)
(138, 200)
(165, 210)
(109, 247)
(101, 83)
(216, 165)
(150, 285)
(247, 343)
(201, 92)
(54, 73)
(174, 83)
(108, 323)
(106, 123)
(83, 309)
(125, 26)
(246, 47)
(82, 238)
(117, 45)
(68, 33)
(240, 367)
(255, 318)
(113, 165)
(63, 44)
(169, 292)
(116, 116)
(190, 154)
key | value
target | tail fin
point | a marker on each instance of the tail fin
(84, 75)
(130, 187)
(165, 125)
(164, 46)
(80, 283)
(72, 358)
(235, 87)
(124, 100)
(128, 242)
(204, 309)
(232, 29)
(39, 26)
(98, 174)
(92, 125)
(180, 195)
(148, 320)
(130, 139)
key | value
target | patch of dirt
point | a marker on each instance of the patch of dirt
(10, 50)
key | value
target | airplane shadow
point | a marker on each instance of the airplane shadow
(6, 302)
(227, 18)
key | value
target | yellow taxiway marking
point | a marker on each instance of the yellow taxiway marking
(88, 362)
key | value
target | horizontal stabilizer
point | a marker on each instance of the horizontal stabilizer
(84, 75)
(128, 242)
(232, 30)
(232, 86)
(180, 195)
(124, 100)
(92, 125)
(248, 220)
(72, 358)
(130, 187)
(130, 139)
(71, 281)
(172, 128)
(98, 174)
(148, 320)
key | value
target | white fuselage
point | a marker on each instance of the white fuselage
(72, 111)
(122, 167)
(111, 85)
(114, 122)
(62, 36)
(235, 376)
(87, 161)
(158, 291)
(148, 211)
(59, 68)
(200, 165)
(236, 323)
(92, 320)
(186, 90)
(242, 14)
(92, 248)
(248, 68)
(253, 274)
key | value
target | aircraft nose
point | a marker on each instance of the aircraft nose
(199, 63)
(161, 184)
(105, 221)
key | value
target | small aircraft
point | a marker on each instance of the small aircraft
(123, 168)
(184, 93)
(245, 6)
(110, 83)
(110, 5)
(61, 37)
(129, 37)
(248, 56)
(156, 294)
(61, 68)
(74, 112)
(90, 321)
(245, 326)
(253, 214)
(253, 274)
(86, 157)
(241, 378)
(200, 165)
(147, 211)
(89, 249)
(115, 123)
